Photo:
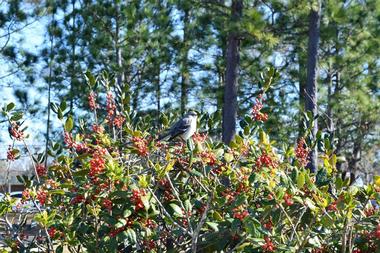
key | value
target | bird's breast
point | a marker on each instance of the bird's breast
(191, 130)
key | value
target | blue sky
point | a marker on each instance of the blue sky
(30, 38)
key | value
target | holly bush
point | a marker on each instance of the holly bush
(112, 187)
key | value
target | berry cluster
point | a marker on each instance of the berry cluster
(288, 199)
(115, 232)
(149, 244)
(141, 145)
(136, 198)
(41, 196)
(77, 199)
(332, 207)
(268, 225)
(110, 106)
(68, 140)
(165, 185)
(208, 157)
(97, 164)
(266, 161)
(302, 152)
(268, 246)
(377, 232)
(97, 129)
(198, 137)
(11, 154)
(92, 101)
(149, 223)
(240, 213)
(229, 195)
(41, 170)
(256, 110)
(25, 195)
(107, 204)
(369, 211)
(52, 232)
(118, 121)
(16, 132)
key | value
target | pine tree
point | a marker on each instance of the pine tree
(311, 104)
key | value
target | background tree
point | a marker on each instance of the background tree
(230, 104)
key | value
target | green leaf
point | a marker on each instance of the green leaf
(309, 203)
(17, 116)
(57, 191)
(264, 139)
(301, 179)
(60, 114)
(176, 209)
(127, 213)
(90, 79)
(69, 124)
(196, 173)
(131, 235)
(213, 225)
(10, 106)
(314, 241)
(80, 173)
(59, 249)
(164, 120)
(121, 223)
(376, 179)
(63, 106)
(54, 107)
(145, 201)
(228, 157)
(217, 216)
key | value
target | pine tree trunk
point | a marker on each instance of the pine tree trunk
(72, 70)
(185, 75)
(219, 90)
(311, 82)
(232, 67)
(51, 58)
(158, 91)
(302, 88)
(119, 61)
(330, 120)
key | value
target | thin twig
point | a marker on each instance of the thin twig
(290, 220)
(237, 245)
(200, 225)
(31, 158)
(298, 222)
(180, 201)
(168, 215)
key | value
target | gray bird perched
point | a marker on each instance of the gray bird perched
(184, 128)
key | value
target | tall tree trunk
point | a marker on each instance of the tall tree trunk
(121, 92)
(231, 86)
(185, 75)
(219, 89)
(302, 88)
(72, 70)
(51, 58)
(311, 81)
(220, 67)
(330, 116)
(135, 96)
(158, 91)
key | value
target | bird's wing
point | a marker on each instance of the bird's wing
(176, 129)
(180, 127)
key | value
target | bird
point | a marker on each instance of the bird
(184, 128)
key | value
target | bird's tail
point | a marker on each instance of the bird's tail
(164, 137)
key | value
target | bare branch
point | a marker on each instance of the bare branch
(200, 225)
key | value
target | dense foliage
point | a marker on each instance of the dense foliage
(112, 187)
